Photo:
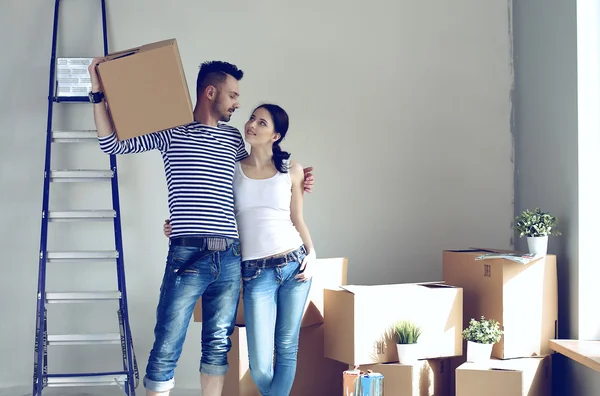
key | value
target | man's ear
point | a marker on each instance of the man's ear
(210, 92)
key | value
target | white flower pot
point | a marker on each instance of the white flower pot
(538, 245)
(478, 353)
(408, 353)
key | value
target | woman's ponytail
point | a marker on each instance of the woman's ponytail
(280, 158)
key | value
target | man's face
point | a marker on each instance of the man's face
(226, 101)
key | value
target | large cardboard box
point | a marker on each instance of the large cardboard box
(146, 89)
(522, 298)
(315, 374)
(358, 329)
(328, 273)
(513, 377)
(425, 378)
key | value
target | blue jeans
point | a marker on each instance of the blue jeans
(274, 304)
(216, 277)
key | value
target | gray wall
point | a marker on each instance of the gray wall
(546, 144)
(403, 108)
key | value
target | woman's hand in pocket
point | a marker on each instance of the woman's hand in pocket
(307, 267)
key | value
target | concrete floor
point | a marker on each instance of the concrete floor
(98, 391)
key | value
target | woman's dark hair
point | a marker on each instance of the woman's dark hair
(281, 123)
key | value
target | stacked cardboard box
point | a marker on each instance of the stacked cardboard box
(523, 298)
(358, 332)
(315, 373)
(425, 378)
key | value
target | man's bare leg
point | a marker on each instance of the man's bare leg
(212, 385)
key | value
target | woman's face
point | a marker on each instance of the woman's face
(259, 129)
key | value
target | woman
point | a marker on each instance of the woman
(277, 250)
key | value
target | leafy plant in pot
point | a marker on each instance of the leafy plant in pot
(407, 334)
(537, 226)
(481, 335)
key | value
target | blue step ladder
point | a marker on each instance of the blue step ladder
(127, 377)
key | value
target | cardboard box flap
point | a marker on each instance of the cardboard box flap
(135, 50)
(122, 54)
(390, 288)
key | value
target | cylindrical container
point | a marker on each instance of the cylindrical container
(351, 382)
(371, 384)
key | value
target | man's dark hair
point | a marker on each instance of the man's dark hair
(214, 73)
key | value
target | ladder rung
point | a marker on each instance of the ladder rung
(74, 297)
(92, 255)
(74, 215)
(86, 380)
(72, 99)
(80, 175)
(74, 136)
(84, 339)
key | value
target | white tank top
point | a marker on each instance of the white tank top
(262, 212)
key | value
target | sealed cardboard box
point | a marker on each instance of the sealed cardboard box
(360, 319)
(145, 89)
(523, 298)
(315, 374)
(328, 273)
(512, 377)
(425, 378)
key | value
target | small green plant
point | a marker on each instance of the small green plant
(483, 331)
(536, 224)
(407, 332)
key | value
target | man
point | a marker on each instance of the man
(204, 253)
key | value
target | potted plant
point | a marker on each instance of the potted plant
(481, 335)
(536, 226)
(407, 334)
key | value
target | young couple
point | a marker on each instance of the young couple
(276, 248)
(228, 210)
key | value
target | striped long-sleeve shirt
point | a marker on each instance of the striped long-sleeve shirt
(199, 165)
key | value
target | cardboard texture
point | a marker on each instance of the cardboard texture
(425, 378)
(358, 329)
(522, 298)
(146, 89)
(329, 273)
(513, 377)
(315, 374)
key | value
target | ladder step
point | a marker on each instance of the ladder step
(75, 297)
(72, 99)
(74, 215)
(91, 255)
(80, 175)
(91, 379)
(75, 136)
(84, 339)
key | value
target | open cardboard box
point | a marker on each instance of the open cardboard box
(523, 298)
(424, 378)
(358, 329)
(315, 374)
(328, 272)
(512, 377)
(146, 89)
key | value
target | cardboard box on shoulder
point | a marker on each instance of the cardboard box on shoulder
(146, 89)
(512, 377)
(358, 329)
(523, 298)
(315, 374)
(328, 273)
(424, 378)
